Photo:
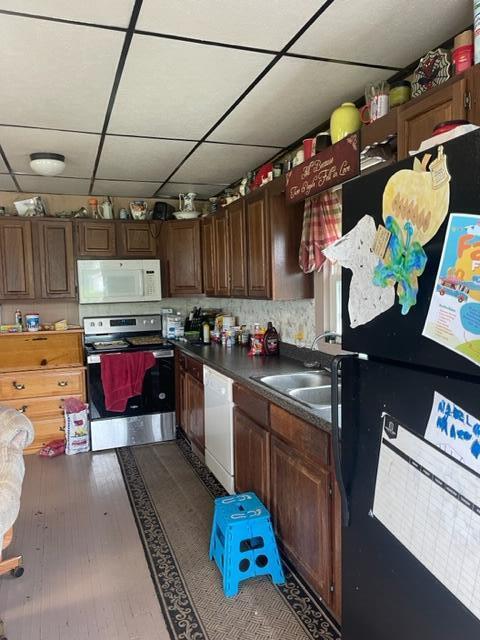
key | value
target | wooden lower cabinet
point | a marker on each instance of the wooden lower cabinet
(195, 408)
(301, 512)
(49, 369)
(252, 456)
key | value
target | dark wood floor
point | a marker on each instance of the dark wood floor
(85, 570)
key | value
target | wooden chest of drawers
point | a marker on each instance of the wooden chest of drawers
(37, 372)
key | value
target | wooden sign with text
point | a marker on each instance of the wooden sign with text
(329, 167)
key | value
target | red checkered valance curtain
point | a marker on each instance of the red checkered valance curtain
(321, 226)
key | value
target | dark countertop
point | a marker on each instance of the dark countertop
(236, 364)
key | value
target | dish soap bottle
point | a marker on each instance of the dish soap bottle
(206, 332)
(270, 340)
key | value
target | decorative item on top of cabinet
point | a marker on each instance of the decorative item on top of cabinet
(417, 118)
(137, 239)
(237, 249)
(184, 257)
(208, 256)
(16, 259)
(95, 239)
(222, 262)
(53, 246)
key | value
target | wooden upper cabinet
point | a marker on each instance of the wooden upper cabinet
(237, 252)
(53, 244)
(301, 512)
(417, 118)
(222, 262)
(208, 256)
(184, 257)
(16, 259)
(259, 268)
(137, 239)
(95, 238)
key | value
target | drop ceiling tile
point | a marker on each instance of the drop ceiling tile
(3, 166)
(172, 189)
(79, 149)
(42, 184)
(294, 97)
(244, 23)
(94, 11)
(179, 89)
(6, 183)
(140, 158)
(58, 75)
(125, 189)
(221, 163)
(385, 32)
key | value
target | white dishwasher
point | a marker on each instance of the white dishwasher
(219, 427)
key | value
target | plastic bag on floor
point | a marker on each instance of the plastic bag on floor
(77, 430)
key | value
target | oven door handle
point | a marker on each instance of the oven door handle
(95, 358)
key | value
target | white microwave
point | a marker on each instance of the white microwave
(118, 281)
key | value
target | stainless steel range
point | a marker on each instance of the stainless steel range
(148, 416)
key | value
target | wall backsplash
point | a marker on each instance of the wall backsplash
(293, 319)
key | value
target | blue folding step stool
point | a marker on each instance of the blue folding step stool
(242, 541)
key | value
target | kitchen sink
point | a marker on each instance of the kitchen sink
(312, 388)
(288, 381)
(316, 396)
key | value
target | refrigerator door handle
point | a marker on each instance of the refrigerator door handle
(337, 436)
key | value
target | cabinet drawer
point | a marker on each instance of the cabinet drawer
(28, 384)
(195, 368)
(310, 441)
(39, 408)
(38, 350)
(253, 405)
(46, 431)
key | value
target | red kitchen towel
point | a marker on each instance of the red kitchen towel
(321, 227)
(122, 376)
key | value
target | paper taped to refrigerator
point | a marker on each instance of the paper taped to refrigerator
(354, 251)
(431, 504)
(455, 431)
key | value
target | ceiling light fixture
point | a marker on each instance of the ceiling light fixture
(47, 164)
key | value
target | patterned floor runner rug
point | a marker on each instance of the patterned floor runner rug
(171, 493)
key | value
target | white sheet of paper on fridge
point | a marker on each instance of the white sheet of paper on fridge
(354, 251)
(455, 431)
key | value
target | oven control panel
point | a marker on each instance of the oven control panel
(122, 324)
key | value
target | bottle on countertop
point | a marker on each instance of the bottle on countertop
(271, 340)
(19, 319)
(206, 332)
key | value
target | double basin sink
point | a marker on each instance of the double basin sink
(312, 388)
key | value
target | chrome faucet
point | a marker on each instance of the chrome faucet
(330, 336)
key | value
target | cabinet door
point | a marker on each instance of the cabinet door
(258, 247)
(95, 239)
(137, 239)
(16, 260)
(238, 261)
(184, 257)
(55, 259)
(301, 510)
(416, 119)
(195, 403)
(208, 256)
(222, 262)
(252, 456)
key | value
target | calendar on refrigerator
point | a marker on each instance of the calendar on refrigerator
(431, 504)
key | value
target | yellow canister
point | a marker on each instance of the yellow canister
(344, 121)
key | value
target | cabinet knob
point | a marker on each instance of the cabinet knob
(18, 385)
(44, 362)
(61, 428)
(23, 408)
(62, 383)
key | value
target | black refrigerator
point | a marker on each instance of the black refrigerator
(402, 573)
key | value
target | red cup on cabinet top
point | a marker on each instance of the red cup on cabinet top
(308, 148)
